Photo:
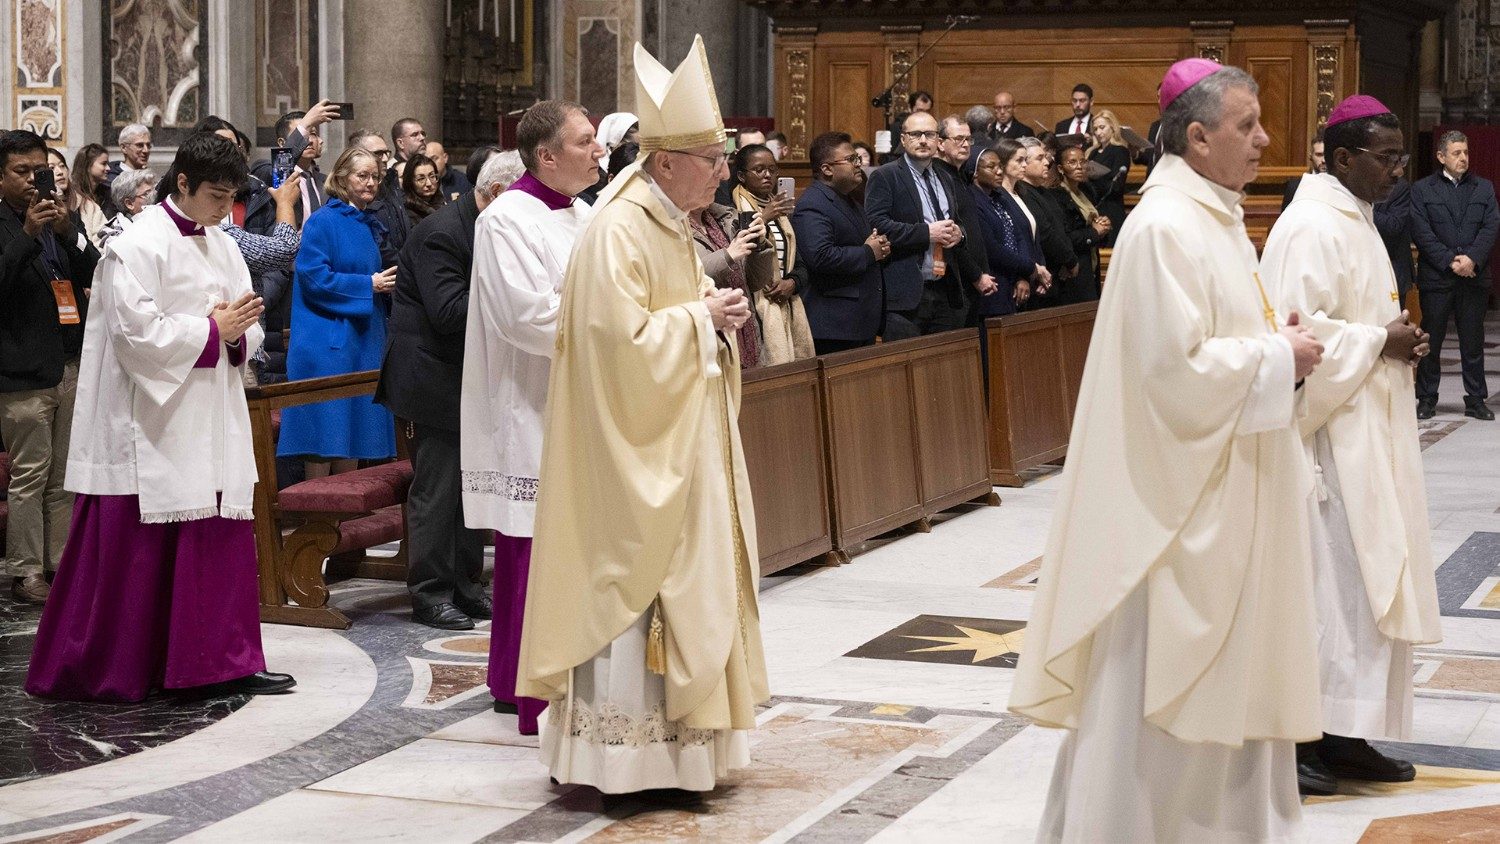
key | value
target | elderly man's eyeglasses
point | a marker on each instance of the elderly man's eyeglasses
(717, 160)
(1391, 160)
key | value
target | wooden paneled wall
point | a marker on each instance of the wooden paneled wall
(826, 79)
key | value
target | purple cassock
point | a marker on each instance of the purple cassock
(512, 566)
(139, 607)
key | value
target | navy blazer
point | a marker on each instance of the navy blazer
(1007, 265)
(1449, 220)
(895, 208)
(845, 293)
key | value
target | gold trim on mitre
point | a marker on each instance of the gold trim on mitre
(677, 109)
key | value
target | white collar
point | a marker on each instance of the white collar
(661, 196)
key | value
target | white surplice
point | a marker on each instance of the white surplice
(1173, 624)
(521, 250)
(1375, 586)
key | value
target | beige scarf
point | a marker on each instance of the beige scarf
(784, 327)
(1084, 205)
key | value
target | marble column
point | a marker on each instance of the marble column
(1430, 91)
(393, 63)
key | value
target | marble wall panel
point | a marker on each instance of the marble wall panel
(153, 65)
(285, 50)
(39, 86)
(588, 68)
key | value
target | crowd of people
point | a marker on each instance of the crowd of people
(557, 352)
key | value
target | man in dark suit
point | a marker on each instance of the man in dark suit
(845, 294)
(1454, 222)
(1082, 121)
(1006, 125)
(980, 120)
(46, 269)
(913, 204)
(420, 381)
(957, 164)
(1393, 219)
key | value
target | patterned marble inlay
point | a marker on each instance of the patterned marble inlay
(581, 72)
(39, 67)
(153, 49)
(1433, 432)
(283, 44)
(1022, 577)
(97, 831)
(1476, 824)
(990, 642)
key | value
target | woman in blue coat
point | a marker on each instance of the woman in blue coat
(1007, 230)
(337, 327)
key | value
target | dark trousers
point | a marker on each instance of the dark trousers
(1465, 303)
(934, 314)
(446, 558)
(828, 347)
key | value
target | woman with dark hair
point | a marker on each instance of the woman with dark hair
(419, 185)
(1007, 229)
(784, 329)
(90, 196)
(63, 182)
(623, 156)
(1086, 227)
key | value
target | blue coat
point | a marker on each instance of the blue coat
(1007, 265)
(336, 330)
(844, 296)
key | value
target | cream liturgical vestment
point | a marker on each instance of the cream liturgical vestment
(644, 516)
(1173, 623)
(1376, 590)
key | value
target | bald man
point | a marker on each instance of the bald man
(1006, 125)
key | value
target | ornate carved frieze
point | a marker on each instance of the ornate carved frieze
(798, 69)
(1325, 56)
(286, 53)
(1044, 11)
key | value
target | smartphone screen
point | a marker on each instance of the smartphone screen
(45, 183)
(787, 187)
(281, 165)
(744, 220)
(346, 111)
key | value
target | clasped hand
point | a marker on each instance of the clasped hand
(727, 308)
(234, 319)
(1405, 342)
(1307, 352)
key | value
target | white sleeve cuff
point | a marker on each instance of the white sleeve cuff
(708, 340)
(1273, 396)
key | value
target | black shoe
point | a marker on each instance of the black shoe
(1355, 759)
(1426, 408)
(505, 707)
(443, 616)
(1478, 410)
(1313, 777)
(481, 609)
(261, 683)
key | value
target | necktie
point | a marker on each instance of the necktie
(937, 210)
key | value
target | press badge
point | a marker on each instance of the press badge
(67, 304)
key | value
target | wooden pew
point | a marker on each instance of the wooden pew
(329, 522)
(1036, 364)
(906, 434)
(786, 453)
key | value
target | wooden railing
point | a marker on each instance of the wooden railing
(1035, 367)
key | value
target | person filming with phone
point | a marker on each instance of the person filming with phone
(736, 255)
(786, 335)
(46, 267)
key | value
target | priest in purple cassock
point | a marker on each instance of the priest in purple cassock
(157, 585)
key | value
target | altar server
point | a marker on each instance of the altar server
(1372, 551)
(641, 622)
(157, 585)
(521, 251)
(1173, 631)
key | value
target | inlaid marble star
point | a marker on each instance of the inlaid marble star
(983, 643)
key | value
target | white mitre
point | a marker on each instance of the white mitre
(677, 109)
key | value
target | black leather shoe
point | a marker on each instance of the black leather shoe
(443, 616)
(1313, 777)
(1478, 410)
(505, 707)
(480, 610)
(1355, 759)
(262, 683)
(1426, 408)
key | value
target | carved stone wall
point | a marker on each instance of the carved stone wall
(286, 61)
(39, 82)
(153, 64)
(597, 38)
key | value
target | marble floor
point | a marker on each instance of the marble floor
(890, 677)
